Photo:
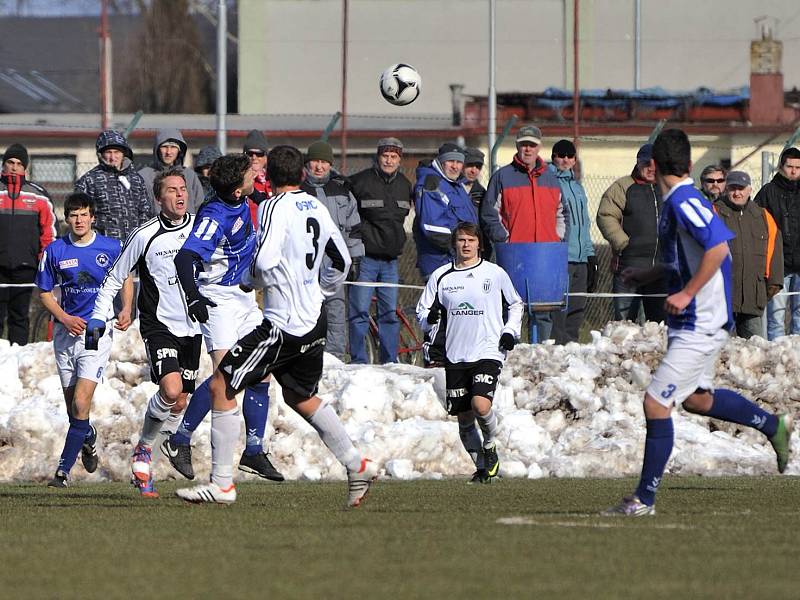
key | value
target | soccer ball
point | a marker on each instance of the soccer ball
(400, 84)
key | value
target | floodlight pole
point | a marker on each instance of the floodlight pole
(345, 15)
(492, 91)
(576, 93)
(222, 76)
(105, 67)
(637, 46)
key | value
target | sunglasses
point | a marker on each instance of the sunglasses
(709, 180)
(258, 153)
(570, 155)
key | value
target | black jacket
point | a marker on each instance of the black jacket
(781, 198)
(383, 204)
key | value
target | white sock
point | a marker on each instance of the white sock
(170, 426)
(471, 440)
(488, 425)
(331, 431)
(225, 426)
(157, 412)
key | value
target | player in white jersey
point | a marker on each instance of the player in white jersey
(296, 233)
(171, 338)
(464, 302)
(77, 263)
(696, 263)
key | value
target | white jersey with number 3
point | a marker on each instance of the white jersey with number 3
(300, 259)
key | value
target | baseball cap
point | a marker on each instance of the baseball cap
(645, 154)
(529, 133)
(739, 178)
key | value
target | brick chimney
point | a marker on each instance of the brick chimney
(766, 79)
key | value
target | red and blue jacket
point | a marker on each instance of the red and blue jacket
(524, 206)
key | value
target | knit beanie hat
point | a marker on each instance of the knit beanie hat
(320, 151)
(473, 156)
(255, 140)
(450, 151)
(17, 151)
(564, 148)
(390, 144)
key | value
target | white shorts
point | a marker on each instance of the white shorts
(73, 361)
(689, 364)
(235, 315)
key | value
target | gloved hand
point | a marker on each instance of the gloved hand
(434, 314)
(772, 290)
(198, 308)
(591, 275)
(95, 329)
(507, 342)
(355, 270)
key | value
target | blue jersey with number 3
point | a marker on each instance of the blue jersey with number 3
(688, 228)
(78, 269)
(224, 239)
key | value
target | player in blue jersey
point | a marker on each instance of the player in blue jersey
(696, 265)
(78, 263)
(210, 266)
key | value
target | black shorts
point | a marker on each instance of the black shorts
(171, 354)
(465, 380)
(296, 362)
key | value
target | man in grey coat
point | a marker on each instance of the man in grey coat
(334, 191)
(169, 150)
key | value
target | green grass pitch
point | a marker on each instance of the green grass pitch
(712, 538)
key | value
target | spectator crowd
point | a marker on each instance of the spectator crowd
(529, 200)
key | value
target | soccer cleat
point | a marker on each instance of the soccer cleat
(358, 483)
(180, 457)
(781, 441)
(142, 477)
(208, 492)
(491, 461)
(259, 464)
(630, 506)
(480, 476)
(59, 480)
(89, 451)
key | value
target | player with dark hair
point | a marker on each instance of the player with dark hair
(296, 233)
(465, 302)
(697, 266)
(78, 263)
(171, 338)
(219, 250)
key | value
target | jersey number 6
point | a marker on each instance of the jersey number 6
(312, 227)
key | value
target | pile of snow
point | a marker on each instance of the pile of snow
(564, 411)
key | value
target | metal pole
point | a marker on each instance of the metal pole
(345, 11)
(766, 167)
(222, 75)
(637, 48)
(492, 92)
(104, 65)
(576, 93)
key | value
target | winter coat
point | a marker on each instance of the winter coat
(628, 218)
(384, 202)
(756, 254)
(27, 222)
(781, 198)
(440, 205)
(193, 185)
(120, 195)
(579, 236)
(524, 206)
(335, 193)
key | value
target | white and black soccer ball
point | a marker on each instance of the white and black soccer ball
(400, 84)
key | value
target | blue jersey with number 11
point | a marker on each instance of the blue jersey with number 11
(224, 239)
(78, 269)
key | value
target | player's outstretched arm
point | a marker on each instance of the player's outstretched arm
(428, 303)
(124, 315)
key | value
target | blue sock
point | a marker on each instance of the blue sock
(255, 408)
(657, 448)
(199, 407)
(76, 435)
(733, 407)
